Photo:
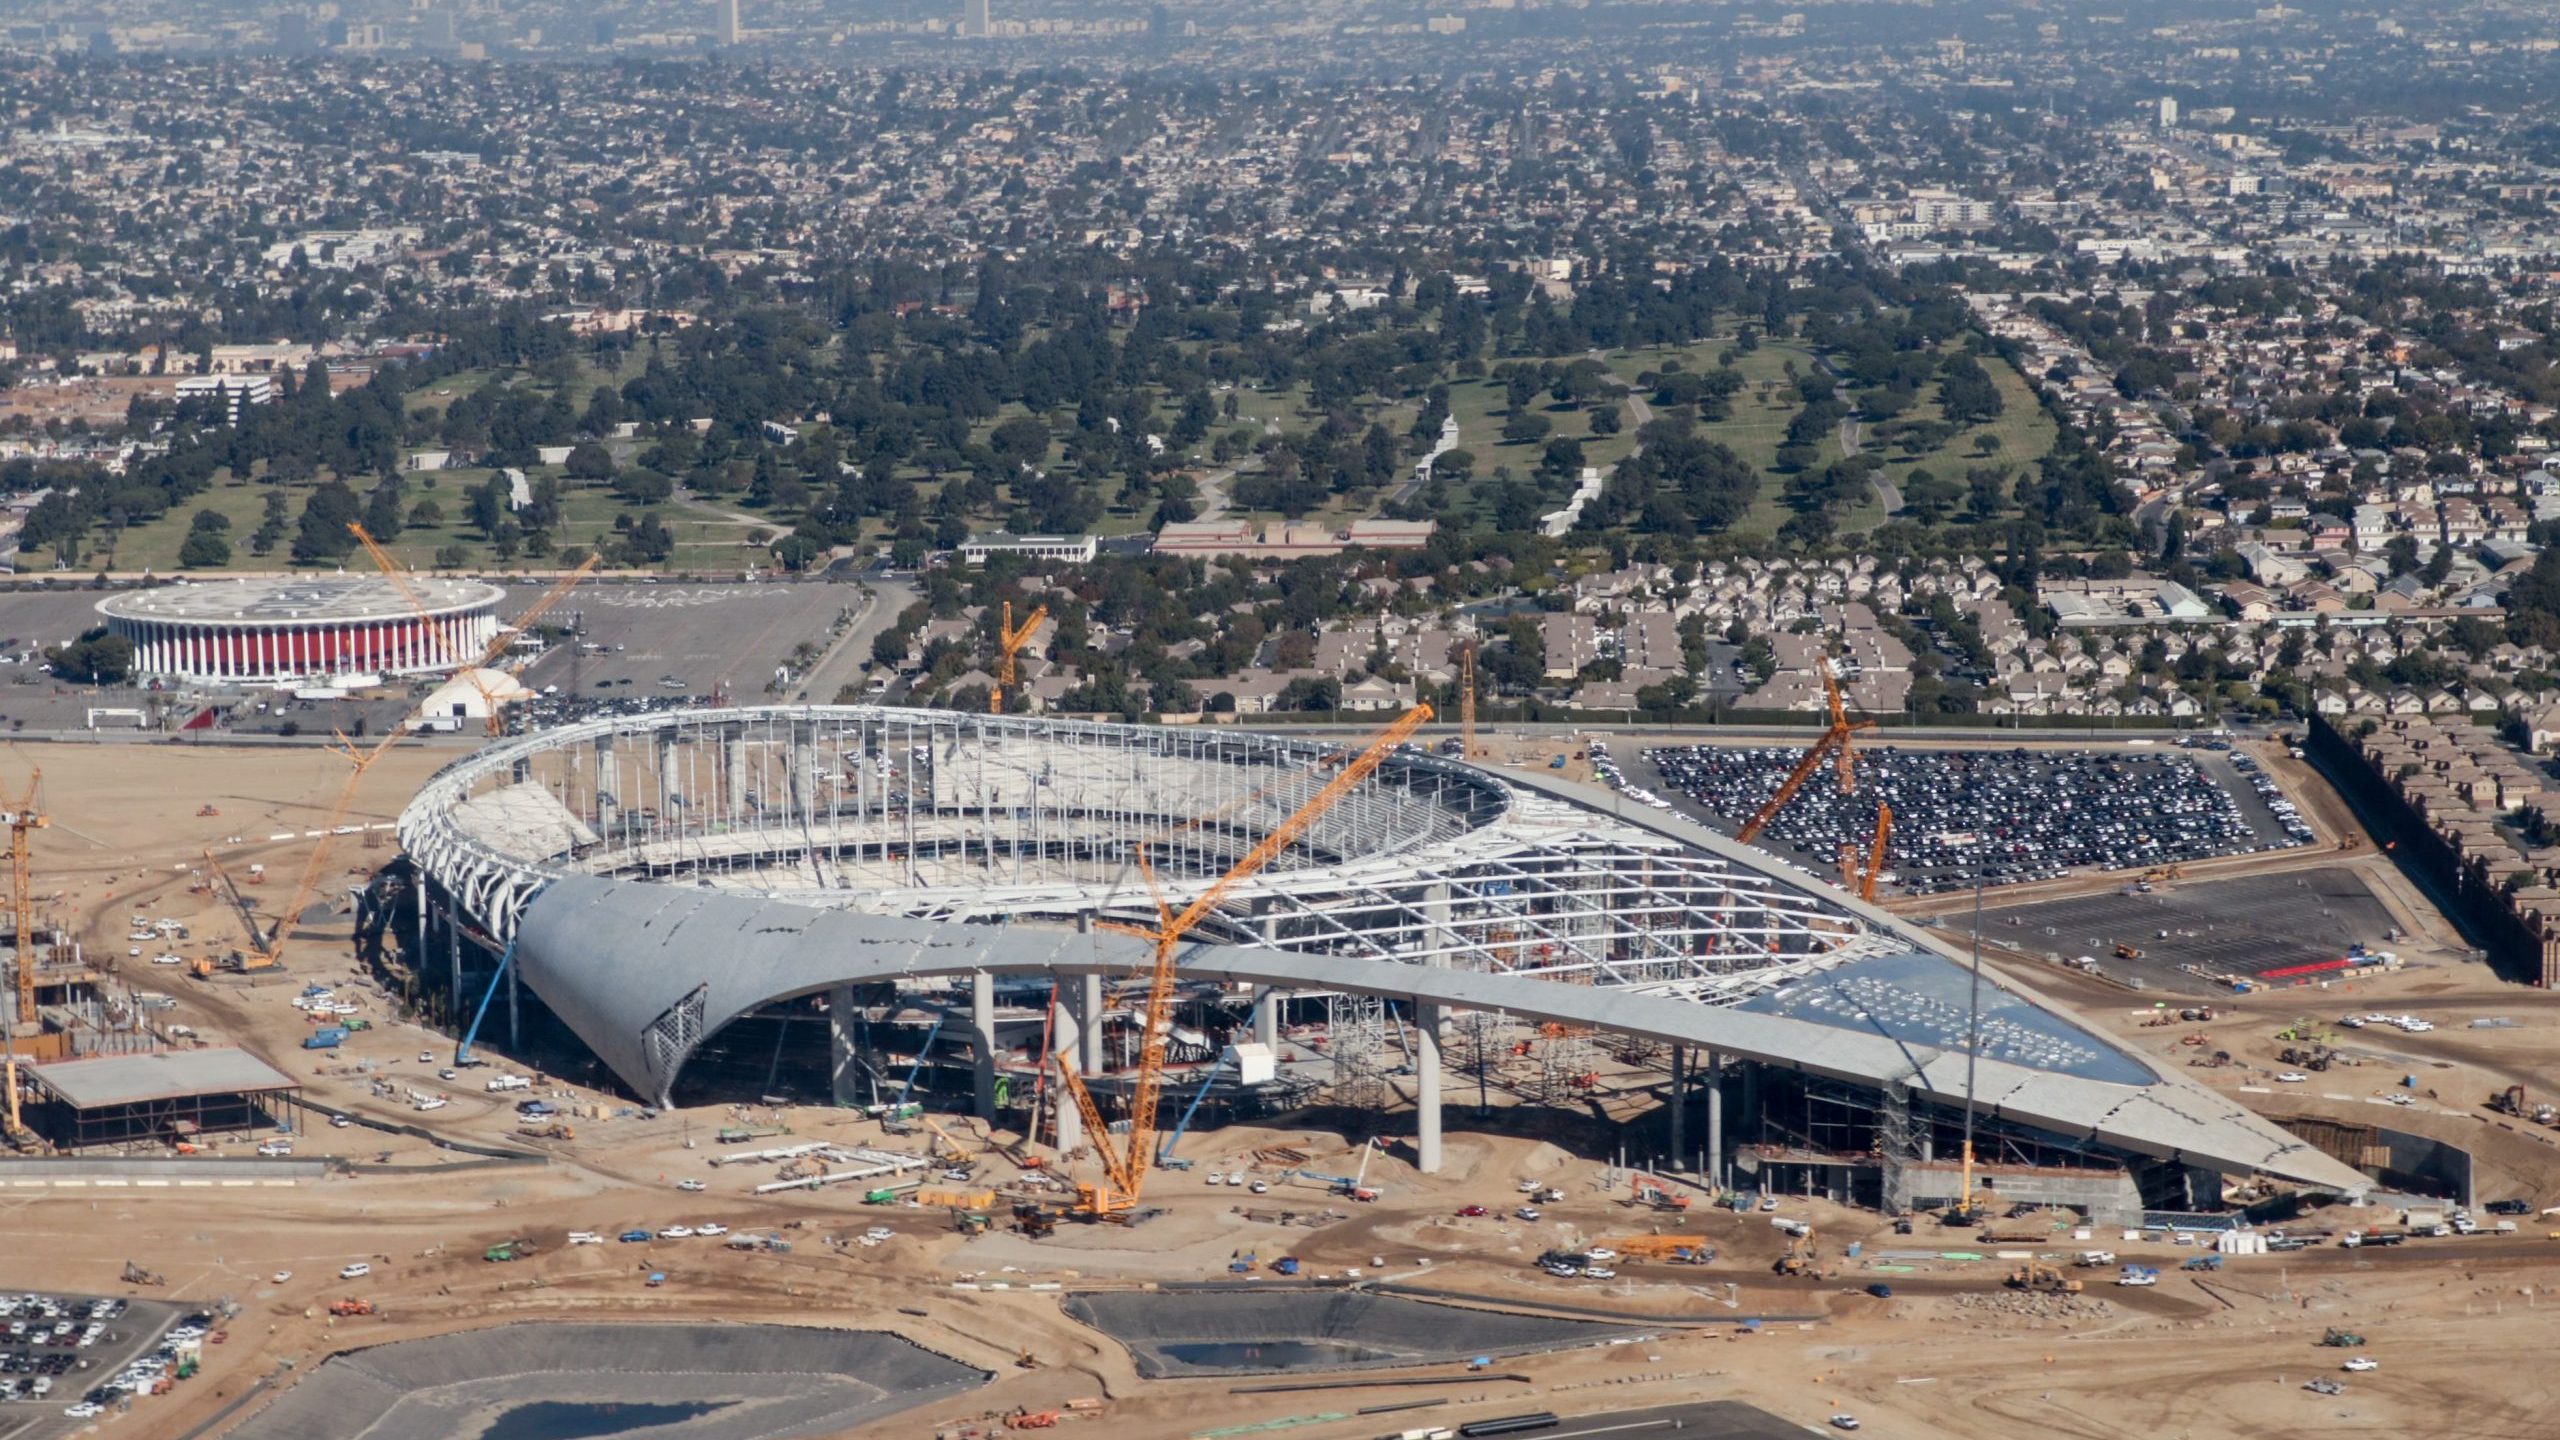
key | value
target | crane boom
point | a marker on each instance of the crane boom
(1009, 642)
(271, 951)
(1128, 1171)
(23, 818)
(1875, 853)
(1834, 743)
(390, 568)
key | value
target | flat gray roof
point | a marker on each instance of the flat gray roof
(167, 1075)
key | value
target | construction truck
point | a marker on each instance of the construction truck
(2337, 1339)
(2510, 1101)
(2042, 1279)
(136, 1275)
(2309, 1057)
(344, 1308)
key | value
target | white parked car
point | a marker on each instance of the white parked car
(692, 1186)
(1601, 1253)
(280, 1277)
(2291, 1077)
(714, 1228)
(2362, 1363)
(168, 959)
(879, 1232)
(585, 1237)
(356, 1271)
(676, 1232)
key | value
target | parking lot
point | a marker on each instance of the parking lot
(2245, 926)
(62, 1353)
(639, 646)
(2019, 815)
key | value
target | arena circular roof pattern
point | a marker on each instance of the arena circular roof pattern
(298, 600)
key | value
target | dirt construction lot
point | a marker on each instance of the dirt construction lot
(1950, 1354)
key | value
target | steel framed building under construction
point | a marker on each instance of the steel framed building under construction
(655, 880)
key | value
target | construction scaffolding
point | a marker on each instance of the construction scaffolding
(1356, 1041)
(1568, 1064)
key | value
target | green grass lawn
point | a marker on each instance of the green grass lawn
(705, 538)
(1757, 426)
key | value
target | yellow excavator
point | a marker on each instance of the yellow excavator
(2043, 1279)
(1800, 1257)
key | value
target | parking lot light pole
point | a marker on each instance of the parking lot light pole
(1973, 1008)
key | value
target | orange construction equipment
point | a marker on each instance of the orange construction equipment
(1833, 739)
(350, 1307)
(399, 579)
(1009, 642)
(1125, 1169)
(1875, 853)
(269, 951)
(24, 819)
(1648, 1191)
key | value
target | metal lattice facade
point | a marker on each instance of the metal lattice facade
(973, 818)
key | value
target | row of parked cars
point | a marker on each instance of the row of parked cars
(2007, 817)
(147, 1372)
(2296, 829)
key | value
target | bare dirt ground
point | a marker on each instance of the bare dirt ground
(1951, 1354)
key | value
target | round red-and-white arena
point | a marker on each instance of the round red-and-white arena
(281, 630)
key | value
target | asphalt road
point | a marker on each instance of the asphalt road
(849, 659)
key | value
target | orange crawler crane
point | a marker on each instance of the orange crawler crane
(1125, 1168)
(1009, 643)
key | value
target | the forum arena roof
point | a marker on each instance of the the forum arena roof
(306, 600)
(662, 875)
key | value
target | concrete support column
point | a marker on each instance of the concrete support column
(982, 1026)
(1089, 1023)
(1426, 1091)
(1749, 1119)
(670, 779)
(1065, 1045)
(804, 775)
(842, 1047)
(1266, 1016)
(1715, 1118)
(734, 763)
(608, 785)
(1679, 1107)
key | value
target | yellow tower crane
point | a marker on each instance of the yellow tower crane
(1009, 642)
(24, 819)
(1125, 1169)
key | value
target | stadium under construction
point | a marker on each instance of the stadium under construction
(877, 906)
